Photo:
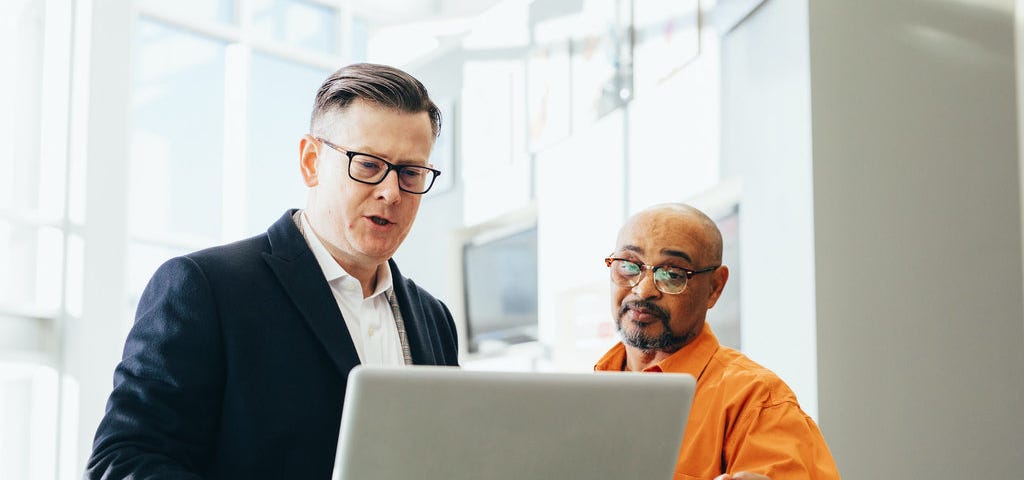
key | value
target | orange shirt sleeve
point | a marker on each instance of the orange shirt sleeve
(780, 441)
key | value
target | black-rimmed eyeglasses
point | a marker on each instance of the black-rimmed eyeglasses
(371, 170)
(667, 279)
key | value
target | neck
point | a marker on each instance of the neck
(365, 273)
(369, 284)
(638, 360)
(367, 279)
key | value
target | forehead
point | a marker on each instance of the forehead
(663, 235)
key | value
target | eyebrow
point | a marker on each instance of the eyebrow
(664, 251)
(677, 253)
(364, 151)
(409, 162)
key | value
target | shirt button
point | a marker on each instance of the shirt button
(370, 331)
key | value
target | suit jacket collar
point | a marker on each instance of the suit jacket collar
(301, 277)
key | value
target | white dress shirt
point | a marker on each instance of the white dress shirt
(370, 320)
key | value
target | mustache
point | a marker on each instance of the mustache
(643, 304)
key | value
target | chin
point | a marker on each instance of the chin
(379, 254)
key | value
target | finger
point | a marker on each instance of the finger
(749, 476)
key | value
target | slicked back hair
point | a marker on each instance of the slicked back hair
(383, 85)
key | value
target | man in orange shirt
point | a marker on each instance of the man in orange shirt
(744, 418)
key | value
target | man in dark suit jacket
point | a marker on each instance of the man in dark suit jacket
(237, 363)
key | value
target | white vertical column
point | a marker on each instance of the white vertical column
(918, 237)
(100, 141)
(766, 136)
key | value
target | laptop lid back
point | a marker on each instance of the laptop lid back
(444, 423)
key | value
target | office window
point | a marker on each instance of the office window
(198, 10)
(177, 132)
(295, 23)
(28, 401)
(281, 99)
(35, 59)
(30, 266)
(216, 124)
(32, 167)
(207, 78)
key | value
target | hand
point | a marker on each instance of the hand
(742, 476)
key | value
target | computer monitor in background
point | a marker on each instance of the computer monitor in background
(500, 288)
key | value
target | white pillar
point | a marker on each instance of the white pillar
(100, 127)
(917, 216)
(766, 136)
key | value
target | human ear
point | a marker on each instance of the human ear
(719, 278)
(309, 160)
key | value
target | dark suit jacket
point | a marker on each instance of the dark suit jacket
(237, 364)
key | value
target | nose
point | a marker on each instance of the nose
(388, 190)
(645, 288)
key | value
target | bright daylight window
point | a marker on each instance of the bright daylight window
(34, 231)
(220, 95)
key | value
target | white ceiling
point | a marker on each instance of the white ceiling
(383, 13)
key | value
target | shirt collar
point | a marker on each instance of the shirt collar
(690, 359)
(332, 270)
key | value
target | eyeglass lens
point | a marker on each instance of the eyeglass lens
(411, 177)
(666, 279)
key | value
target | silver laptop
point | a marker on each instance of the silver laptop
(444, 423)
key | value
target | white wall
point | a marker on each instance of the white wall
(426, 256)
(766, 137)
(578, 216)
(918, 237)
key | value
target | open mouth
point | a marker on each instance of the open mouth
(379, 220)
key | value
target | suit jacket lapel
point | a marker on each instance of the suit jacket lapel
(301, 277)
(416, 330)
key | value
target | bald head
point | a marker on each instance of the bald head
(678, 221)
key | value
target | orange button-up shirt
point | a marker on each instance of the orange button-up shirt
(743, 417)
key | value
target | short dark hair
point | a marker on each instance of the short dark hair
(386, 86)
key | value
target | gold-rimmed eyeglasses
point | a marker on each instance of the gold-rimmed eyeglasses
(667, 279)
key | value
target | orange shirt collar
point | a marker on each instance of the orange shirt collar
(690, 359)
